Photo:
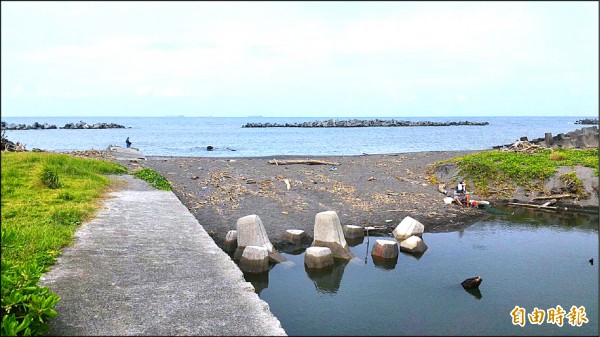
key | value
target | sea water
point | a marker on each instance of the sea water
(190, 136)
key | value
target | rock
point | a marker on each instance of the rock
(472, 282)
(413, 244)
(408, 227)
(328, 233)
(318, 257)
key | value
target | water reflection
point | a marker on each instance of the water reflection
(328, 280)
(416, 256)
(385, 264)
(260, 281)
(475, 292)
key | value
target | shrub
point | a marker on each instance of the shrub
(49, 178)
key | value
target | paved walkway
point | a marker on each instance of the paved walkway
(145, 266)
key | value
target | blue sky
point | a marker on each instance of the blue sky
(334, 59)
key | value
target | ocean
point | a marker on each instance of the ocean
(190, 136)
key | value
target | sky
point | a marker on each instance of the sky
(299, 59)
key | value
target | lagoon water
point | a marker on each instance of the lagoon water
(189, 136)
(529, 259)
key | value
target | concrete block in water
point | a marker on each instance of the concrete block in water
(386, 249)
(254, 259)
(318, 257)
(353, 232)
(251, 232)
(230, 242)
(408, 227)
(413, 244)
(294, 235)
(329, 233)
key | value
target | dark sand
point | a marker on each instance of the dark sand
(364, 190)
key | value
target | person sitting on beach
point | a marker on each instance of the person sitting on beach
(127, 142)
(462, 199)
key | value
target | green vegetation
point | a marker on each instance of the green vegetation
(153, 178)
(44, 197)
(502, 170)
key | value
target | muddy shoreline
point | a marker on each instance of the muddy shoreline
(364, 190)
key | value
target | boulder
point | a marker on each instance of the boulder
(472, 282)
(408, 227)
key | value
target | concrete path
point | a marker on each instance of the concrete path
(145, 266)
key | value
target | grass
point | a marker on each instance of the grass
(153, 178)
(45, 196)
(502, 170)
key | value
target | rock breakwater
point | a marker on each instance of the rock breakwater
(47, 126)
(332, 123)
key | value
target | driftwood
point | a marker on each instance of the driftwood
(302, 161)
(523, 146)
(556, 196)
(534, 206)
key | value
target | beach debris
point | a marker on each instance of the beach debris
(328, 233)
(385, 249)
(472, 282)
(194, 177)
(287, 183)
(371, 178)
(554, 196)
(333, 168)
(523, 146)
(302, 161)
(553, 208)
(318, 257)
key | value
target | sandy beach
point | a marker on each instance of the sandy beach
(365, 190)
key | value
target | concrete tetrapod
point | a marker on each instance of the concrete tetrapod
(353, 232)
(294, 235)
(251, 232)
(385, 249)
(230, 242)
(328, 233)
(408, 227)
(318, 257)
(255, 259)
(413, 244)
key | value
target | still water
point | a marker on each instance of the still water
(529, 259)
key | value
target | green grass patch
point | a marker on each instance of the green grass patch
(503, 170)
(153, 178)
(44, 197)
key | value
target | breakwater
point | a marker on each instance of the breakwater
(332, 123)
(587, 121)
(47, 126)
(584, 138)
